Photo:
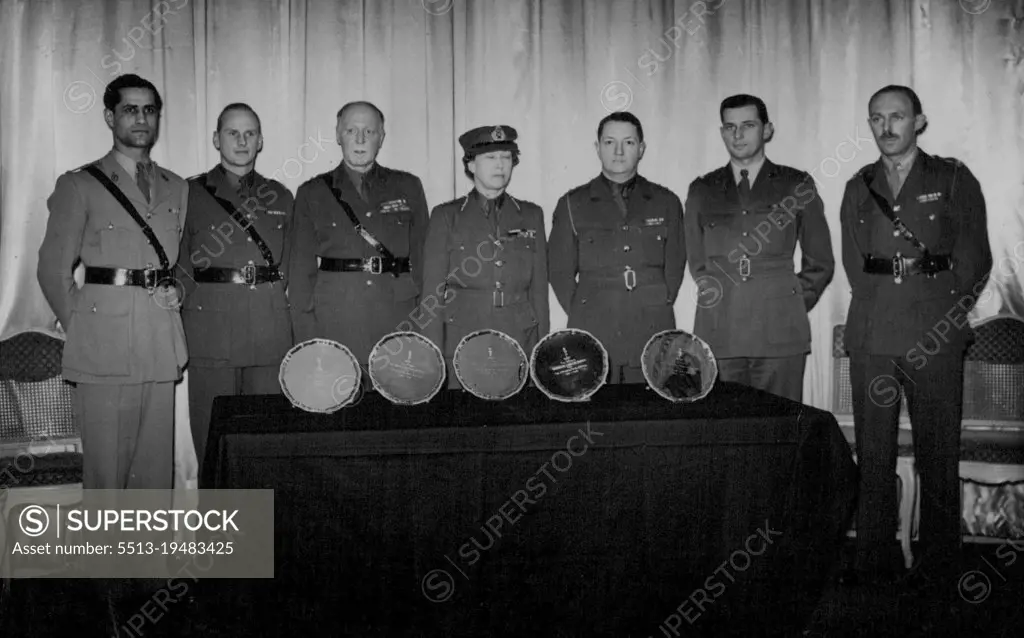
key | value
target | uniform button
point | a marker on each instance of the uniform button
(461, 247)
(369, 214)
(499, 263)
(625, 248)
(745, 278)
(334, 223)
(369, 282)
(895, 233)
(745, 234)
(931, 217)
(497, 285)
(93, 309)
(248, 239)
(279, 226)
(711, 225)
(896, 208)
(626, 227)
(111, 226)
(149, 215)
(584, 301)
(862, 221)
(212, 227)
(199, 307)
(744, 212)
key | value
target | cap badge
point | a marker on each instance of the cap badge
(498, 134)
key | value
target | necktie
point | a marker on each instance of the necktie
(619, 198)
(893, 176)
(744, 184)
(142, 179)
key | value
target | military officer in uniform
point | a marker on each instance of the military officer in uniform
(617, 252)
(120, 217)
(354, 271)
(917, 255)
(485, 254)
(743, 223)
(235, 311)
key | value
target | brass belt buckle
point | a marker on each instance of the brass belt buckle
(498, 297)
(629, 276)
(249, 274)
(745, 266)
(899, 268)
(376, 265)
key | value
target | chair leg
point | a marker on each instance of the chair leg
(908, 503)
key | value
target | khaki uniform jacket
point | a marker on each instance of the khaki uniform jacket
(590, 250)
(355, 309)
(942, 203)
(763, 313)
(485, 273)
(115, 334)
(233, 325)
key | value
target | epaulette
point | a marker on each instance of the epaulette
(863, 170)
(194, 177)
(952, 160)
(82, 167)
(452, 202)
(516, 202)
(578, 189)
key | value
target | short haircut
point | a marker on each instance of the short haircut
(741, 100)
(621, 116)
(112, 95)
(915, 102)
(238, 106)
(369, 105)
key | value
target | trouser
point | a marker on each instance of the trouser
(935, 401)
(783, 376)
(127, 443)
(127, 435)
(207, 383)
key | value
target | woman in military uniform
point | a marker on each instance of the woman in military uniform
(486, 254)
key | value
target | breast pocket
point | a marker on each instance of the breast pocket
(719, 238)
(518, 256)
(397, 228)
(119, 240)
(652, 239)
(595, 247)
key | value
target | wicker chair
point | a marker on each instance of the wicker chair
(40, 449)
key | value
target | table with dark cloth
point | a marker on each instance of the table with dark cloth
(623, 516)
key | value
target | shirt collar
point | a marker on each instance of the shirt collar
(235, 181)
(752, 170)
(625, 188)
(901, 165)
(483, 201)
(129, 165)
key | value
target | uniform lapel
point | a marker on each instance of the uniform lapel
(124, 182)
(879, 183)
(763, 189)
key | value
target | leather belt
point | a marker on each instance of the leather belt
(147, 278)
(373, 265)
(247, 275)
(900, 266)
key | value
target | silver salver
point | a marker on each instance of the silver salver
(569, 365)
(679, 366)
(320, 375)
(491, 365)
(406, 368)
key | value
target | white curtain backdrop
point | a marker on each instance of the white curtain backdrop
(549, 68)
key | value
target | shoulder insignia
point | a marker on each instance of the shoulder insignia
(516, 202)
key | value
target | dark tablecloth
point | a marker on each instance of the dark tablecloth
(624, 516)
